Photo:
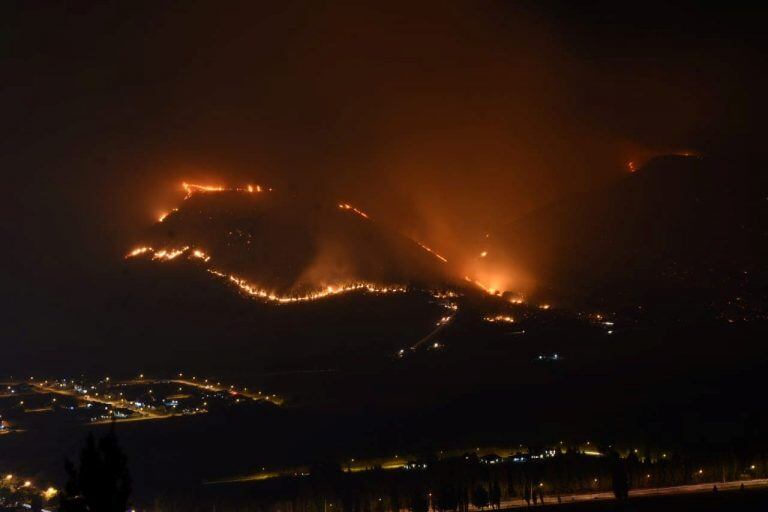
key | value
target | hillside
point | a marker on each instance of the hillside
(675, 225)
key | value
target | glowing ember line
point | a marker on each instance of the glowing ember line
(191, 188)
(163, 216)
(486, 289)
(197, 253)
(477, 283)
(255, 291)
(347, 206)
(167, 254)
(138, 251)
(432, 252)
(499, 318)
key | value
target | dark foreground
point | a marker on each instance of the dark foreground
(737, 501)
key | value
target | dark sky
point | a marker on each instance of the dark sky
(444, 118)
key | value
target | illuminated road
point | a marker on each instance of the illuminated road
(549, 499)
(211, 387)
(218, 388)
(429, 337)
(143, 413)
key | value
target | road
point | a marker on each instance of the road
(218, 388)
(646, 492)
(141, 412)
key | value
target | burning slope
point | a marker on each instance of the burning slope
(283, 250)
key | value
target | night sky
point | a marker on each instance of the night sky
(444, 119)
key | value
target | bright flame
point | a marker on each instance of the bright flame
(197, 253)
(499, 318)
(169, 254)
(191, 188)
(484, 254)
(347, 206)
(163, 215)
(50, 493)
(432, 252)
(485, 288)
(255, 291)
(138, 251)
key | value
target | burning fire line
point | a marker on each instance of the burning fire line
(347, 206)
(432, 252)
(254, 290)
(191, 188)
(168, 254)
(499, 319)
(486, 289)
(163, 216)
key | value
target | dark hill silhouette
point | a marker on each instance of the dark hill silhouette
(678, 223)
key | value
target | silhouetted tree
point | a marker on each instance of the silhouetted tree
(36, 503)
(480, 497)
(102, 482)
(527, 491)
(446, 497)
(620, 477)
(495, 495)
(419, 502)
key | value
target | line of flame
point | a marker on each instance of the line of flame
(347, 206)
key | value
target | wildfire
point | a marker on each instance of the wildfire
(347, 206)
(191, 188)
(163, 215)
(499, 319)
(255, 291)
(169, 254)
(432, 252)
(197, 253)
(138, 251)
(486, 289)
(444, 294)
